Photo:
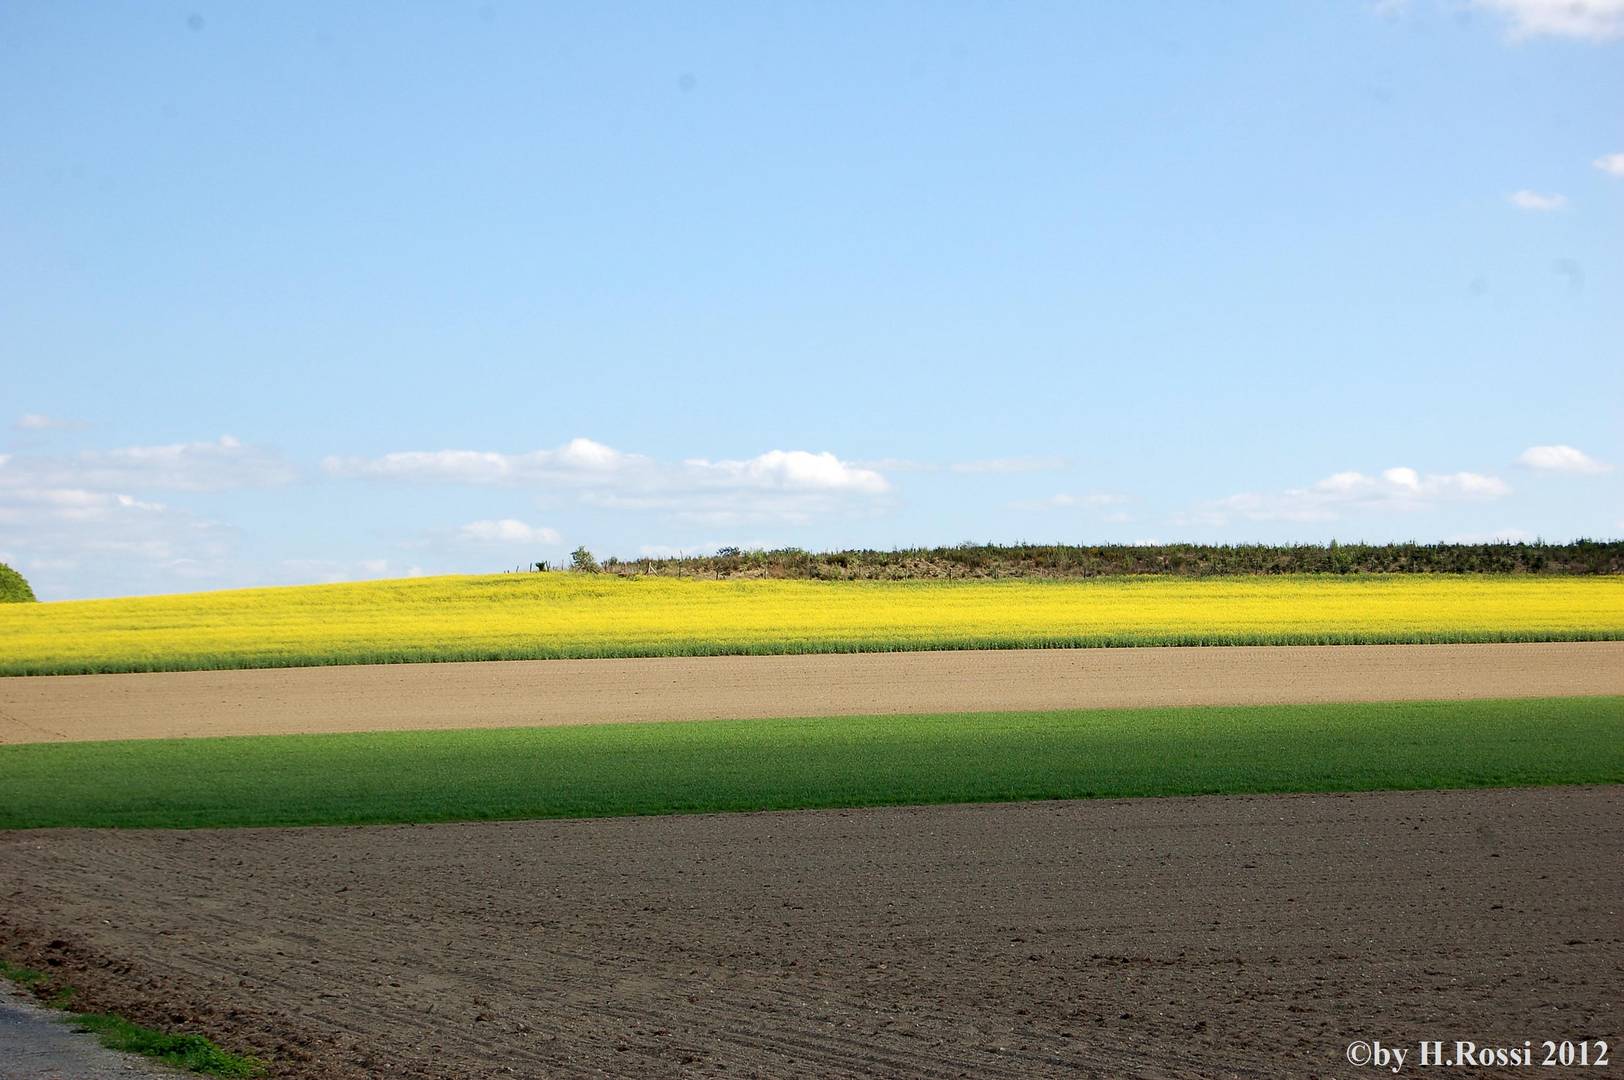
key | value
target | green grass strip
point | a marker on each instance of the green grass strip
(737, 765)
(39, 982)
(192, 1052)
(22, 976)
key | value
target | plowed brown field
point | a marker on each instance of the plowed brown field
(545, 692)
(1201, 937)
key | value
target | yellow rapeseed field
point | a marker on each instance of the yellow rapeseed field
(510, 616)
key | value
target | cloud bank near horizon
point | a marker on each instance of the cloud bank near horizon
(178, 516)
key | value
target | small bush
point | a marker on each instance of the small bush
(14, 587)
(581, 559)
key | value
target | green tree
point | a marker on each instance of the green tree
(14, 587)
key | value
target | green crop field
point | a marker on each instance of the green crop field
(796, 763)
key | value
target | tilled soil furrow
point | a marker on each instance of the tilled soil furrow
(823, 1048)
(1171, 938)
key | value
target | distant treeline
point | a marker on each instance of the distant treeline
(1108, 560)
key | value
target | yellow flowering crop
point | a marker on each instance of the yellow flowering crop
(513, 616)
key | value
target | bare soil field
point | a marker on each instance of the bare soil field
(1197, 937)
(519, 693)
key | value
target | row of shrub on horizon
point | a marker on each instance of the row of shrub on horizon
(1583, 557)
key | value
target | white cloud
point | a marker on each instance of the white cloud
(577, 461)
(1001, 466)
(790, 485)
(41, 422)
(1611, 164)
(582, 462)
(1063, 500)
(729, 509)
(978, 467)
(18, 505)
(77, 542)
(1058, 501)
(86, 521)
(1533, 200)
(898, 465)
(788, 470)
(1593, 20)
(507, 531)
(199, 466)
(1561, 459)
(1397, 489)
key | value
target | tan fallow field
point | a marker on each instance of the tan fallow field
(556, 692)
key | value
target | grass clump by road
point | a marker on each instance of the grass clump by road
(784, 764)
(192, 1052)
(545, 616)
(22, 976)
(39, 982)
(195, 1053)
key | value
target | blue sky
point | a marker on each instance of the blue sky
(305, 292)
